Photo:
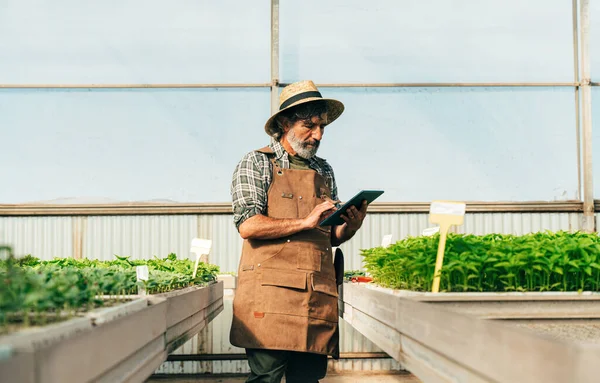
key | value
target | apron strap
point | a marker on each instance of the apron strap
(276, 168)
(265, 150)
(270, 153)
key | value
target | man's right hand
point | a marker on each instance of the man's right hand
(319, 213)
(262, 227)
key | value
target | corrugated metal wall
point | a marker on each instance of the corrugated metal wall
(46, 237)
(144, 236)
(227, 243)
(139, 236)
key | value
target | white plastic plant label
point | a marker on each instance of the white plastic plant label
(386, 241)
(431, 231)
(448, 208)
(201, 246)
(142, 273)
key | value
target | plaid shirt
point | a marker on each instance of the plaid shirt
(253, 175)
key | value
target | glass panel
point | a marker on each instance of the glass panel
(474, 144)
(427, 41)
(134, 145)
(182, 145)
(149, 41)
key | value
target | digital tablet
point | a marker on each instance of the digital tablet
(356, 201)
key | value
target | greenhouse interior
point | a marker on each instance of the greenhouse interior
(155, 156)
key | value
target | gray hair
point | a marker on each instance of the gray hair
(280, 128)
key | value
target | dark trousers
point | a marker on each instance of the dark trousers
(269, 366)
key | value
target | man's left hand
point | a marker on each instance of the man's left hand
(354, 217)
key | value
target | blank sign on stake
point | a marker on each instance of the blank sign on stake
(386, 241)
(142, 275)
(200, 247)
(445, 214)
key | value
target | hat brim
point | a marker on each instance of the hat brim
(334, 109)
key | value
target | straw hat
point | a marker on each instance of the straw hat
(300, 93)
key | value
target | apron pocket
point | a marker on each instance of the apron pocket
(282, 292)
(308, 258)
(324, 285)
(266, 250)
(284, 278)
(323, 303)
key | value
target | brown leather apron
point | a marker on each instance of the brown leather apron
(287, 296)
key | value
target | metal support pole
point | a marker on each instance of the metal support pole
(575, 13)
(275, 82)
(274, 56)
(586, 118)
(446, 85)
(131, 86)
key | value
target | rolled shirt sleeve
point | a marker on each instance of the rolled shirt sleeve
(248, 192)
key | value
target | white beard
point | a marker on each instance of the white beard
(301, 147)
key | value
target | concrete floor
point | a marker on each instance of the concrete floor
(331, 378)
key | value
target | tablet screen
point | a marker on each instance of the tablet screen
(368, 195)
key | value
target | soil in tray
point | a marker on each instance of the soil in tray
(572, 331)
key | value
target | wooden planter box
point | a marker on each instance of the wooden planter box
(189, 311)
(79, 349)
(123, 343)
(446, 340)
(512, 306)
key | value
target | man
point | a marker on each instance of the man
(285, 309)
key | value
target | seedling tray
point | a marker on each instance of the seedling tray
(124, 343)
